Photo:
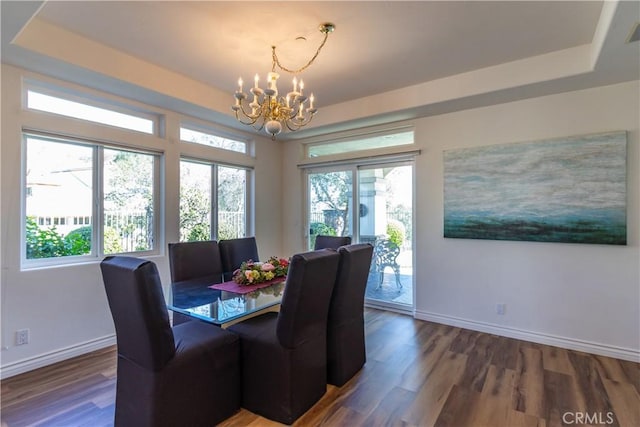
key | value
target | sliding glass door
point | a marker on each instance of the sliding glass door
(385, 218)
(330, 204)
(372, 203)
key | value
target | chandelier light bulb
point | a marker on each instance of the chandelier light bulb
(272, 89)
(240, 84)
(255, 79)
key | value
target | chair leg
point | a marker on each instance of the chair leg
(397, 271)
(381, 278)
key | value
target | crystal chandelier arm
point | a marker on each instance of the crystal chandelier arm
(325, 29)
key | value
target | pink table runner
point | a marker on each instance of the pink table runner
(245, 289)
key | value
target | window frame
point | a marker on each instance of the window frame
(66, 94)
(97, 211)
(194, 127)
(359, 138)
(213, 211)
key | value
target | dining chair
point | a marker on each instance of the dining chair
(193, 265)
(346, 353)
(284, 355)
(195, 260)
(234, 252)
(186, 375)
(331, 242)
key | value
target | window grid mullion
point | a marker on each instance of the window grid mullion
(97, 249)
(214, 202)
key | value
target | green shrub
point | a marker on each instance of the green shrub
(78, 241)
(112, 243)
(396, 232)
(198, 232)
(316, 228)
(321, 228)
(43, 242)
(225, 231)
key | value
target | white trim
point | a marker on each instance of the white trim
(360, 133)
(537, 337)
(364, 157)
(36, 362)
(407, 310)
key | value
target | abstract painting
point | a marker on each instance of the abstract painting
(569, 190)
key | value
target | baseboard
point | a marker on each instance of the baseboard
(540, 338)
(32, 363)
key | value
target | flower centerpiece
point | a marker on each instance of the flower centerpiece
(253, 272)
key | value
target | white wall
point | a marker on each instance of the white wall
(579, 296)
(65, 308)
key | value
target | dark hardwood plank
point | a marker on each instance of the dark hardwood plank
(528, 395)
(418, 374)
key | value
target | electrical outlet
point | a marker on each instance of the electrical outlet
(22, 336)
(501, 308)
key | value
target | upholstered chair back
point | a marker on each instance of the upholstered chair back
(234, 251)
(139, 311)
(192, 260)
(305, 303)
(346, 353)
(331, 242)
(347, 300)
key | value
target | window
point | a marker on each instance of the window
(232, 196)
(195, 201)
(128, 201)
(360, 144)
(188, 134)
(63, 178)
(57, 105)
(203, 210)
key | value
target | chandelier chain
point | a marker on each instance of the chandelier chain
(304, 67)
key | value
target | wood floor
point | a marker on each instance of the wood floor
(417, 374)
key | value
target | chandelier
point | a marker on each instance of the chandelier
(272, 112)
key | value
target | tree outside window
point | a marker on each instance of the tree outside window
(197, 207)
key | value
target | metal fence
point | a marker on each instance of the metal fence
(231, 224)
(134, 229)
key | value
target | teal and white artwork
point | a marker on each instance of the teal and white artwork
(560, 190)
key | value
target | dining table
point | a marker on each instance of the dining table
(224, 304)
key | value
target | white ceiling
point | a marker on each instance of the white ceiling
(392, 60)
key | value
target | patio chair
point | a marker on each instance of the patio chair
(385, 255)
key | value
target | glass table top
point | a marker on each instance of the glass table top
(196, 299)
